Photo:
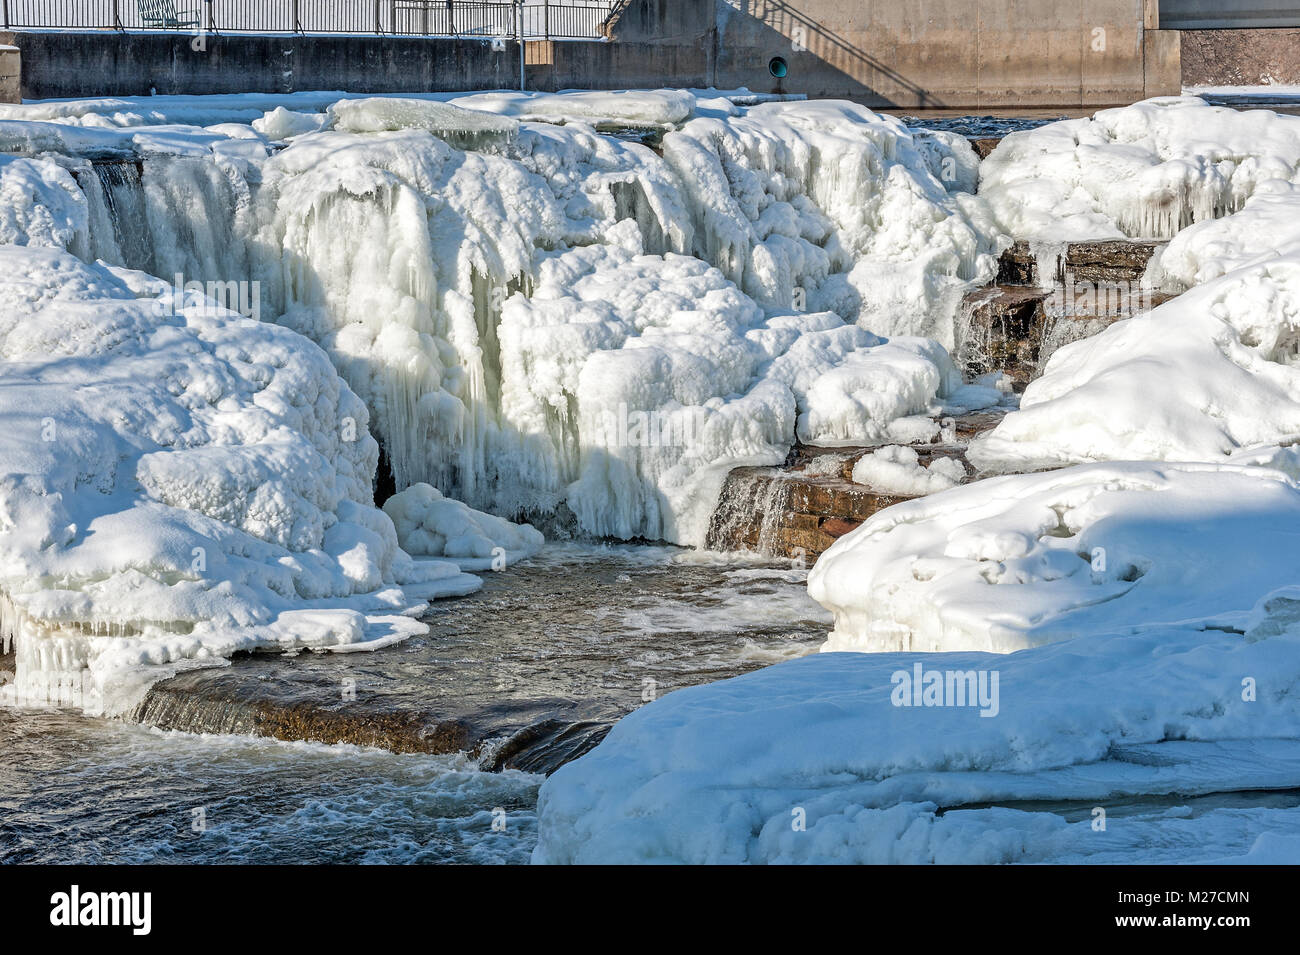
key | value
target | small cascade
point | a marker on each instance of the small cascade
(1049, 296)
(631, 202)
(169, 216)
(749, 512)
(801, 509)
(119, 223)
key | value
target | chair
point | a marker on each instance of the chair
(163, 15)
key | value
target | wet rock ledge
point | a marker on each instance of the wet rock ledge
(798, 510)
(537, 736)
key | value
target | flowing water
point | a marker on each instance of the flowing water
(580, 632)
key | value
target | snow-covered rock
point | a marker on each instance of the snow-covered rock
(1017, 561)
(1142, 171)
(176, 484)
(895, 469)
(1208, 376)
(430, 525)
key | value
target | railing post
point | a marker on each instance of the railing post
(297, 20)
(519, 38)
(6, 5)
(210, 7)
(379, 23)
(546, 18)
(117, 15)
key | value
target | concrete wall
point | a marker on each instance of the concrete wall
(1240, 57)
(10, 73)
(105, 63)
(958, 54)
(928, 53)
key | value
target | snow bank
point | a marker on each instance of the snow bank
(430, 525)
(1207, 376)
(179, 483)
(1017, 561)
(832, 759)
(647, 108)
(1145, 171)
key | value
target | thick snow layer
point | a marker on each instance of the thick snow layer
(1013, 562)
(1145, 171)
(430, 525)
(895, 469)
(831, 758)
(179, 482)
(1207, 376)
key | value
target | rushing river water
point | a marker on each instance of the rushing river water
(580, 629)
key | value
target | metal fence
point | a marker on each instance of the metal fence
(459, 18)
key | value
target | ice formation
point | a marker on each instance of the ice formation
(1266, 227)
(179, 483)
(1017, 561)
(459, 268)
(819, 760)
(1143, 171)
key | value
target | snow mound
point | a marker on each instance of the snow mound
(430, 525)
(1144, 171)
(40, 204)
(1206, 376)
(844, 758)
(897, 470)
(1017, 561)
(280, 124)
(462, 127)
(179, 484)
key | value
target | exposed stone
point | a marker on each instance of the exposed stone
(800, 509)
(501, 737)
(1100, 260)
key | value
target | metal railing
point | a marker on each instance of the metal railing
(535, 19)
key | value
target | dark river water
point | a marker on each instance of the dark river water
(581, 631)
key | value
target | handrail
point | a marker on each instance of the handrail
(467, 19)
